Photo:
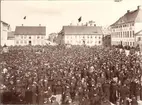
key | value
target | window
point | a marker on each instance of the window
(133, 33)
(91, 36)
(21, 42)
(99, 37)
(25, 37)
(25, 42)
(99, 42)
(132, 24)
(139, 38)
(38, 37)
(29, 37)
(17, 42)
(21, 37)
(130, 34)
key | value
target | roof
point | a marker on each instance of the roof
(131, 16)
(138, 32)
(82, 30)
(4, 22)
(10, 35)
(30, 30)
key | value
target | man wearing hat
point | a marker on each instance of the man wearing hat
(54, 102)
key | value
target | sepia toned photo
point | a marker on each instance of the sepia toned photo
(71, 52)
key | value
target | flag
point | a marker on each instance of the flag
(79, 20)
(24, 17)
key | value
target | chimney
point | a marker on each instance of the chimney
(138, 7)
(128, 11)
(22, 24)
(39, 24)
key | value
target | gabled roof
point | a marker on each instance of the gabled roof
(30, 30)
(4, 23)
(79, 30)
(131, 16)
(138, 32)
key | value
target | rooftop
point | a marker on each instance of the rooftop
(4, 23)
(130, 16)
(85, 30)
(30, 30)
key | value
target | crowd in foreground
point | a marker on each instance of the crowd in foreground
(79, 75)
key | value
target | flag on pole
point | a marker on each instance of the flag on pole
(24, 17)
(79, 20)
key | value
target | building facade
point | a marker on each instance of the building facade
(10, 39)
(30, 35)
(81, 35)
(106, 36)
(5, 28)
(123, 31)
(52, 37)
(107, 41)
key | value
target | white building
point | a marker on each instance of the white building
(124, 29)
(5, 28)
(81, 35)
(30, 35)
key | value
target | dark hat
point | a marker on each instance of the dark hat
(53, 98)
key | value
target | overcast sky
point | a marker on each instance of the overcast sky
(55, 14)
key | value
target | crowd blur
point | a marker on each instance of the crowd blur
(79, 75)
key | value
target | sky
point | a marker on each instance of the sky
(56, 13)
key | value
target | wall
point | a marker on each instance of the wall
(24, 40)
(10, 42)
(4, 33)
(124, 33)
(89, 40)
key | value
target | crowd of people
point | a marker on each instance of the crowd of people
(78, 75)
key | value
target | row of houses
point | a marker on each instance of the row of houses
(23, 35)
(126, 31)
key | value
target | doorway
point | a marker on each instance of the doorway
(30, 42)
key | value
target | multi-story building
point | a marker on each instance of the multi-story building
(30, 35)
(81, 35)
(124, 29)
(5, 28)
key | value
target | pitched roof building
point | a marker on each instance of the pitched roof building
(5, 28)
(30, 35)
(79, 35)
(124, 29)
(30, 30)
